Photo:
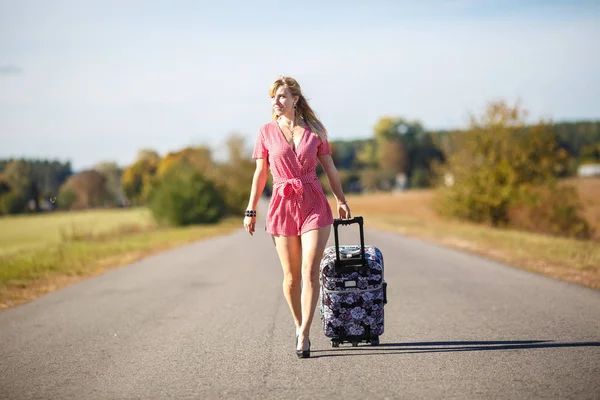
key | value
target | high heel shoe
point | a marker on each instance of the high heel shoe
(302, 353)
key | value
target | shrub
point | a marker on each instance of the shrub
(66, 198)
(350, 181)
(12, 203)
(369, 179)
(502, 169)
(233, 182)
(184, 196)
(551, 210)
(373, 179)
(421, 178)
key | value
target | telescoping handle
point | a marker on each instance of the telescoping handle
(352, 263)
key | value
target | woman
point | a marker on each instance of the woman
(299, 217)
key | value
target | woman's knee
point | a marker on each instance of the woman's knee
(310, 271)
(292, 279)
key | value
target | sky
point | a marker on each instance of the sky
(97, 81)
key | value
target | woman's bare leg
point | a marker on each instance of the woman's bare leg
(289, 250)
(313, 245)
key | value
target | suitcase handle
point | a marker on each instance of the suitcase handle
(350, 265)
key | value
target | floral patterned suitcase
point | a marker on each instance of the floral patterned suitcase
(353, 290)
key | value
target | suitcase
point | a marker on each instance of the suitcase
(352, 290)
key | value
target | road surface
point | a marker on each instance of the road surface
(209, 321)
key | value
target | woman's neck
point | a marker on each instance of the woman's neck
(287, 121)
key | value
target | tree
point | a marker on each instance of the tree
(367, 155)
(88, 188)
(184, 196)
(343, 154)
(19, 177)
(137, 178)
(66, 198)
(500, 164)
(112, 173)
(590, 154)
(4, 186)
(393, 162)
(234, 177)
(397, 148)
(148, 155)
(49, 176)
(393, 157)
(12, 202)
(426, 155)
(198, 158)
(31, 181)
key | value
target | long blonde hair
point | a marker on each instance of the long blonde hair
(303, 109)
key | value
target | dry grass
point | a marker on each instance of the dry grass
(589, 192)
(42, 253)
(411, 213)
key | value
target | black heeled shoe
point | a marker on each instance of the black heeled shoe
(302, 353)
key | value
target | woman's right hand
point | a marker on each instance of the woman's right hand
(250, 224)
(344, 211)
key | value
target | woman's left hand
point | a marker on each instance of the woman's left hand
(250, 224)
(344, 211)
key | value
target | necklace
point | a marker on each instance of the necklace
(289, 129)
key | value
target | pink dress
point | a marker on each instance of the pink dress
(298, 203)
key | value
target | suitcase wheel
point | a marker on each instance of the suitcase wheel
(335, 343)
(354, 343)
(375, 341)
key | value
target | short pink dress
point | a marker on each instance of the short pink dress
(298, 203)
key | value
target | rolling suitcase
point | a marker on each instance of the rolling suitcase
(352, 291)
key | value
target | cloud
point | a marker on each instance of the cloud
(10, 69)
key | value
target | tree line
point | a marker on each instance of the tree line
(404, 150)
(190, 186)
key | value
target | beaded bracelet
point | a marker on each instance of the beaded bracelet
(250, 213)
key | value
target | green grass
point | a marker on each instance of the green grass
(29, 232)
(40, 253)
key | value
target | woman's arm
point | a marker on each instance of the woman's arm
(261, 173)
(333, 177)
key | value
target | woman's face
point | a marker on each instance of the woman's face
(283, 101)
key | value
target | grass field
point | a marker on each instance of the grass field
(411, 213)
(29, 232)
(44, 252)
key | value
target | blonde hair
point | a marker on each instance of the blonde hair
(303, 109)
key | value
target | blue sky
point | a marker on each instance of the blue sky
(92, 81)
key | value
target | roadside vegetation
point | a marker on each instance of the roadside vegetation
(412, 213)
(44, 252)
(501, 187)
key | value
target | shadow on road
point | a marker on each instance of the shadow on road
(445, 347)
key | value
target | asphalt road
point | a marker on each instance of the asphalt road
(209, 321)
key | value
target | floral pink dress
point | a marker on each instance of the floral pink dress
(298, 203)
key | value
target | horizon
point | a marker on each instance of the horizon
(97, 82)
(215, 150)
